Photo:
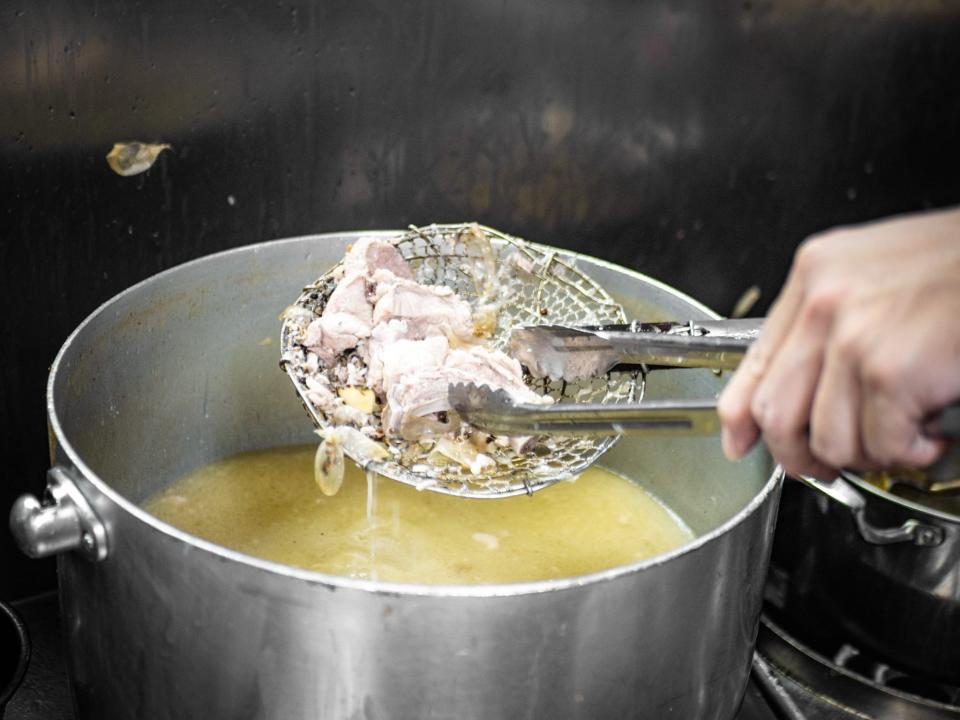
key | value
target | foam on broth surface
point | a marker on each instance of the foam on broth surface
(266, 504)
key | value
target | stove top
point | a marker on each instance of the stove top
(835, 671)
(790, 681)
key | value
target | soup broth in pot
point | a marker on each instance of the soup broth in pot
(266, 504)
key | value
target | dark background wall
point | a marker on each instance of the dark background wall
(696, 141)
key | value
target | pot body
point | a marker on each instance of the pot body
(886, 575)
(182, 369)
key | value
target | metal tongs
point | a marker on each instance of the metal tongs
(575, 352)
(565, 352)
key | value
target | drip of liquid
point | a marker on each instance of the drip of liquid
(372, 520)
(266, 504)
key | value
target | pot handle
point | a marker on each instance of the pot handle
(63, 521)
(844, 493)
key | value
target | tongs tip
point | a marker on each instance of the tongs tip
(467, 398)
(561, 352)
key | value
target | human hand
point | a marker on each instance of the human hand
(861, 345)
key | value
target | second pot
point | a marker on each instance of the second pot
(883, 571)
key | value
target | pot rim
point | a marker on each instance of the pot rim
(334, 582)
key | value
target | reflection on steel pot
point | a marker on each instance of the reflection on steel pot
(178, 371)
(882, 569)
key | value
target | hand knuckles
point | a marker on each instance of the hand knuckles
(731, 409)
(756, 360)
(827, 448)
(758, 409)
(776, 427)
(884, 372)
(822, 304)
(774, 423)
(811, 254)
(881, 454)
(883, 448)
(904, 453)
(847, 341)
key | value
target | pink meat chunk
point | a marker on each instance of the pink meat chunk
(369, 254)
(335, 333)
(313, 337)
(342, 331)
(347, 318)
(350, 297)
(423, 391)
(384, 335)
(415, 396)
(491, 367)
(402, 332)
(408, 356)
(428, 310)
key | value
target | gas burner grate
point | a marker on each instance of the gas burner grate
(866, 665)
(849, 677)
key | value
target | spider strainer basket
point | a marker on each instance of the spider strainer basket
(508, 282)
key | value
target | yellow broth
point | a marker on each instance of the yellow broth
(266, 504)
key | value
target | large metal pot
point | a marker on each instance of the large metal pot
(881, 570)
(178, 371)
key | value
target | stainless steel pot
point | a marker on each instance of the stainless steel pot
(885, 571)
(180, 370)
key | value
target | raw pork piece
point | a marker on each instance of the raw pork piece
(409, 356)
(427, 309)
(369, 254)
(413, 340)
(407, 311)
(384, 336)
(414, 395)
(334, 333)
(348, 315)
(496, 369)
(350, 297)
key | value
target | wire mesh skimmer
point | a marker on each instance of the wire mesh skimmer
(527, 284)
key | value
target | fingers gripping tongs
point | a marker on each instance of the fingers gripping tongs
(569, 353)
(577, 352)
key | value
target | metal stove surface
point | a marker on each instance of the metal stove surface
(833, 672)
(45, 695)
